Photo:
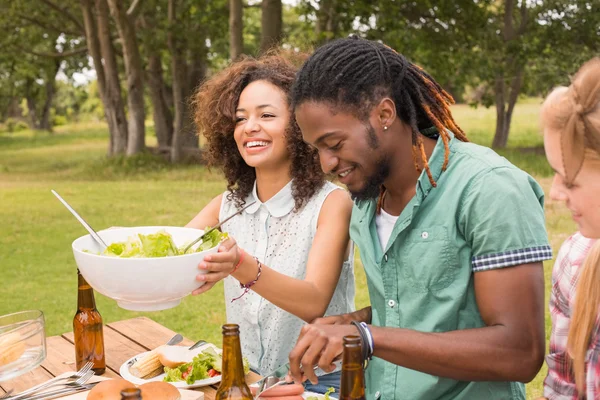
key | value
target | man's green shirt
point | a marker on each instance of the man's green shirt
(484, 214)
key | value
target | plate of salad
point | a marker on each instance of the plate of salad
(203, 369)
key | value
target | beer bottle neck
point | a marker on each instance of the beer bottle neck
(352, 385)
(233, 367)
(85, 294)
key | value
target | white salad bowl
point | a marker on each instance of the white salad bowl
(141, 284)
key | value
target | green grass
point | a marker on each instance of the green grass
(36, 262)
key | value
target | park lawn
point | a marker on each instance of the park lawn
(36, 262)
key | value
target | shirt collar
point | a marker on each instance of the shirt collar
(278, 206)
(436, 161)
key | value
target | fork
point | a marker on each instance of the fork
(197, 344)
(52, 382)
(70, 387)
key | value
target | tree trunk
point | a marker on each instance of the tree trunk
(236, 29)
(134, 72)
(179, 75)
(515, 88)
(501, 135)
(45, 123)
(271, 24)
(163, 120)
(112, 88)
(197, 73)
(326, 24)
(513, 64)
(31, 106)
(93, 45)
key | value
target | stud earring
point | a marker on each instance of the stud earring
(385, 128)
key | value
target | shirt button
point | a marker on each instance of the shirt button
(385, 256)
(391, 303)
(425, 235)
(377, 395)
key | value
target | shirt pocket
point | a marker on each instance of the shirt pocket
(427, 264)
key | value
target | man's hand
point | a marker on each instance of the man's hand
(317, 345)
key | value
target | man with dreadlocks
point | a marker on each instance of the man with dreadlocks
(450, 234)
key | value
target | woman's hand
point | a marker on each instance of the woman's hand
(218, 265)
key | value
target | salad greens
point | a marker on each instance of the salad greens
(192, 371)
(326, 395)
(159, 244)
(204, 365)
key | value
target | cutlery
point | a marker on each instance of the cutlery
(77, 375)
(33, 394)
(61, 392)
(92, 232)
(197, 344)
(216, 227)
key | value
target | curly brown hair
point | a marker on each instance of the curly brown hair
(215, 103)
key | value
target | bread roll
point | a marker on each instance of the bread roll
(159, 391)
(109, 389)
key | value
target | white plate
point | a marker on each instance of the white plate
(125, 374)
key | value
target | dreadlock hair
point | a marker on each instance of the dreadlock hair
(356, 74)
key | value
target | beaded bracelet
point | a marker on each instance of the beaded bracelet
(242, 253)
(248, 285)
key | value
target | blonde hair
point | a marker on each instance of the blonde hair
(585, 314)
(574, 114)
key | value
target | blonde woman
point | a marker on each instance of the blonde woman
(571, 124)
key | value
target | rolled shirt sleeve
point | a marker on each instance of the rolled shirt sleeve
(502, 218)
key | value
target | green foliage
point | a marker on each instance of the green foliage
(59, 120)
(15, 125)
(92, 105)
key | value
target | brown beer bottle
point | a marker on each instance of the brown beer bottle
(87, 329)
(352, 384)
(131, 394)
(233, 382)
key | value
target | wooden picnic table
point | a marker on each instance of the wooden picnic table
(122, 340)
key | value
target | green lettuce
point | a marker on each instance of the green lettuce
(326, 395)
(159, 244)
(200, 366)
(172, 374)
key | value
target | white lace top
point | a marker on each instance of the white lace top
(281, 239)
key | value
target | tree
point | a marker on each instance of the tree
(114, 106)
(236, 29)
(271, 24)
(497, 45)
(153, 42)
(511, 69)
(133, 71)
(38, 38)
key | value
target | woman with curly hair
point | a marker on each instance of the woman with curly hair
(289, 257)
